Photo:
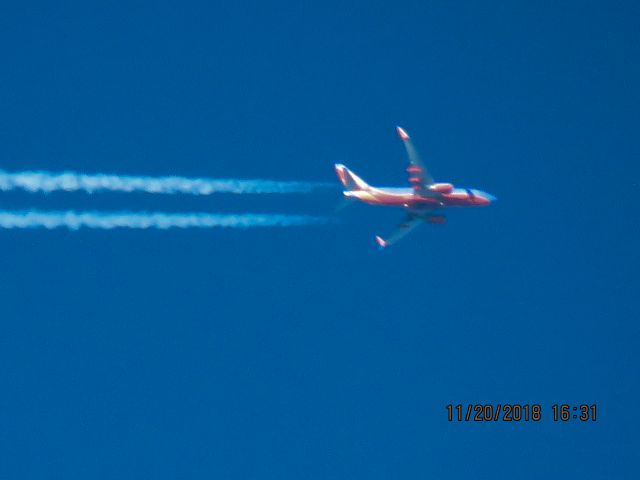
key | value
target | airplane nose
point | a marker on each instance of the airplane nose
(483, 198)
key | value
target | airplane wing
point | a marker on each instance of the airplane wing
(418, 174)
(406, 227)
(412, 220)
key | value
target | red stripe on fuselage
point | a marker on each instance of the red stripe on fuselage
(376, 196)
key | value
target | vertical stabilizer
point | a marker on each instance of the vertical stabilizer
(350, 181)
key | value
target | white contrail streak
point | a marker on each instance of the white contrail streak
(107, 221)
(71, 182)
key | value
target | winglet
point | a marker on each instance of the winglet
(404, 136)
(381, 242)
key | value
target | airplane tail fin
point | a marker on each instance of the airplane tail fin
(350, 181)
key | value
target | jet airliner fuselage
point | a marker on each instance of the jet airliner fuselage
(406, 197)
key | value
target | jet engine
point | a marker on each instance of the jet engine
(441, 187)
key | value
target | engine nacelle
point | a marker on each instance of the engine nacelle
(441, 187)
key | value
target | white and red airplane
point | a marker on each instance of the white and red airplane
(421, 201)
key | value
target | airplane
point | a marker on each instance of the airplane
(421, 201)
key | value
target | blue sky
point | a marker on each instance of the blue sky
(306, 353)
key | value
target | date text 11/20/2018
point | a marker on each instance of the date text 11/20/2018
(520, 412)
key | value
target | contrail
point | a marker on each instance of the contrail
(106, 221)
(46, 182)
